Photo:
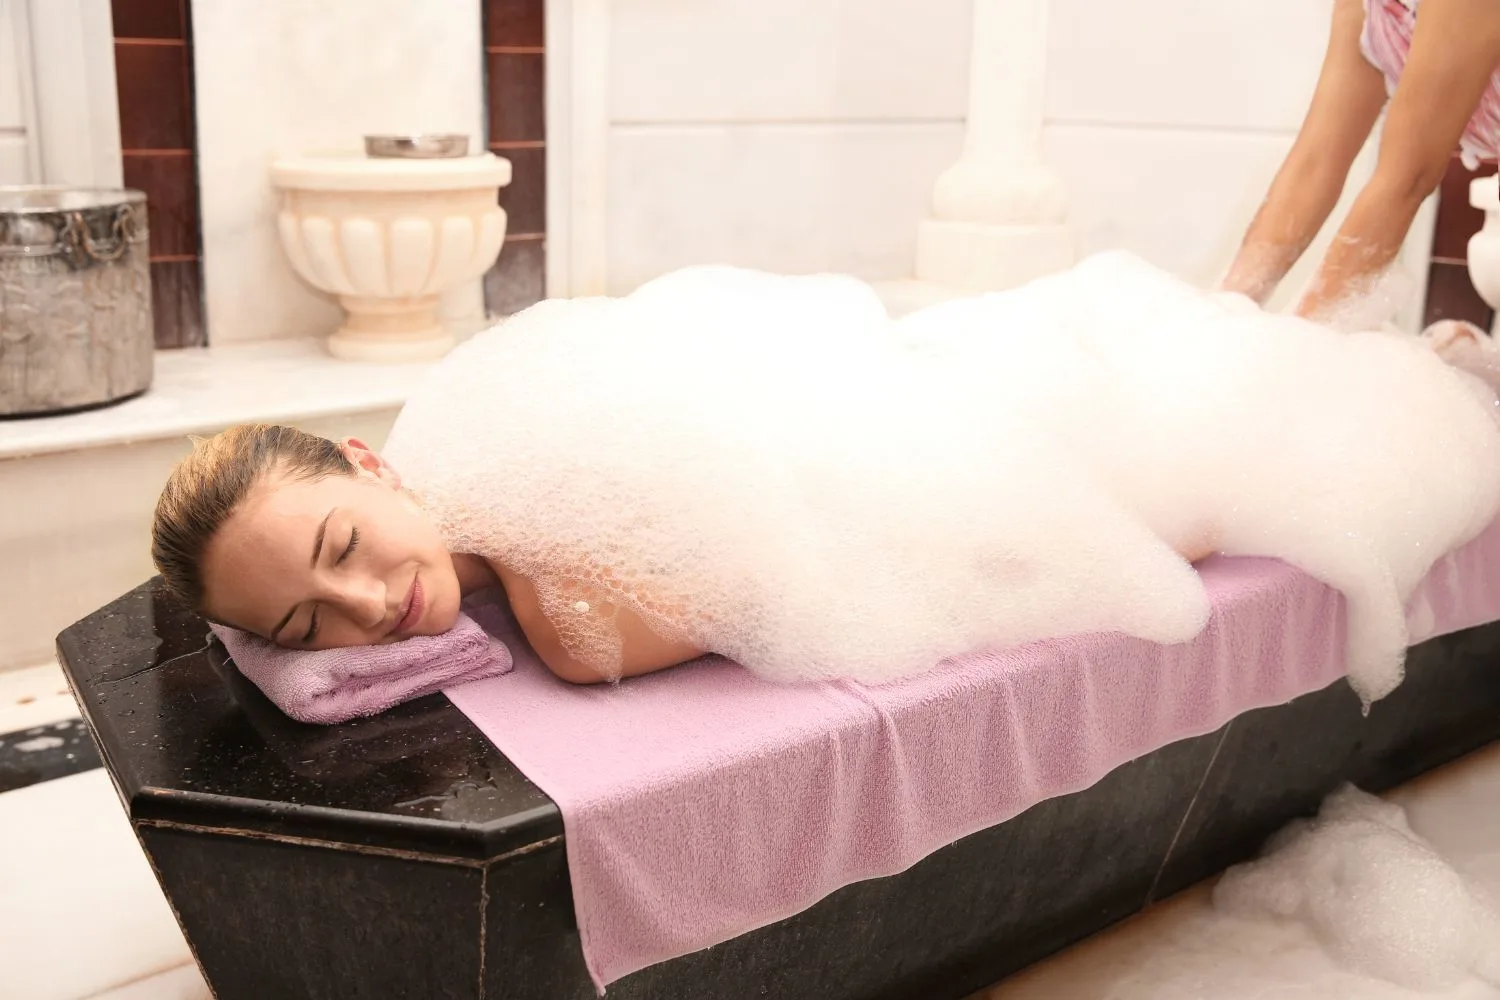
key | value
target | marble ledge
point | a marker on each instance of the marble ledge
(199, 390)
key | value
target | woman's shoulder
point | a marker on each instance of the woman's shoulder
(623, 638)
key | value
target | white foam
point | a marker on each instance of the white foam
(1376, 896)
(775, 469)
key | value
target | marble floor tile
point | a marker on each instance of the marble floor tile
(34, 696)
(82, 911)
(181, 983)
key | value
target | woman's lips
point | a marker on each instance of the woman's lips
(414, 606)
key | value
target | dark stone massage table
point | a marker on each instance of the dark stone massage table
(403, 856)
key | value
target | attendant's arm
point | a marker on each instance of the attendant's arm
(643, 650)
(1345, 105)
(1454, 52)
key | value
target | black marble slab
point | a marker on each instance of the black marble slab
(1276, 762)
(403, 856)
(189, 741)
(272, 920)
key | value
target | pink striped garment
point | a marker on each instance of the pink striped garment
(1386, 41)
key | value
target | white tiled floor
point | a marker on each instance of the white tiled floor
(71, 871)
(181, 983)
(82, 912)
(34, 696)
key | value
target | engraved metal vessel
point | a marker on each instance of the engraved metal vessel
(75, 299)
(434, 146)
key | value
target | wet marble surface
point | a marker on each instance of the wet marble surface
(45, 753)
(188, 740)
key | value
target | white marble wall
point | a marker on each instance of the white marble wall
(793, 135)
(277, 77)
(1168, 121)
(17, 153)
(801, 135)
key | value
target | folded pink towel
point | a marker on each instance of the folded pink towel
(327, 686)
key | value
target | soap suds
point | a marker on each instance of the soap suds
(1376, 896)
(39, 743)
(774, 469)
(1351, 905)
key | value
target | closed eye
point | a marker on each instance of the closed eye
(353, 541)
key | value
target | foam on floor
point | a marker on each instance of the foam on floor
(1376, 896)
(1359, 860)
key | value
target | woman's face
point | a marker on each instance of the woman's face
(339, 561)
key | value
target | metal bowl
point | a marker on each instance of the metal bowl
(417, 147)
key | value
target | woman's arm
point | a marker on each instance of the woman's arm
(1345, 105)
(643, 650)
(1454, 52)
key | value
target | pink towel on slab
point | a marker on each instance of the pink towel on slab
(328, 686)
(703, 802)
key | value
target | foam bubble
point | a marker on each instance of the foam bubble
(1376, 896)
(773, 468)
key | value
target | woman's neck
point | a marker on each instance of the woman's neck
(473, 572)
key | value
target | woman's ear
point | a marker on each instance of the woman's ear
(368, 462)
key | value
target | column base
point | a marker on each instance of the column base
(902, 298)
(986, 257)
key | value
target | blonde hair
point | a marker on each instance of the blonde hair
(209, 484)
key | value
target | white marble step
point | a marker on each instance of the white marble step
(34, 696)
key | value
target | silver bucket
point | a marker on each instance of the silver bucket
(75, 299)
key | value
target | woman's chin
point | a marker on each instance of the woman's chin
(441, 615)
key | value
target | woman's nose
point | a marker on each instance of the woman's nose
(363, 600)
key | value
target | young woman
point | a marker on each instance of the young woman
(770, 469)
(314, 544)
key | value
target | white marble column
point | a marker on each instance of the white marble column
(999, 215)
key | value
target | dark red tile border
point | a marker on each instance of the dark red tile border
(525, 199)
(171, 200)
(154, 79)
(155, 104)
(515, 88)
(514, 23)
(1457, 220)
(516, 85)
(150, 18)
(1451, 295)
